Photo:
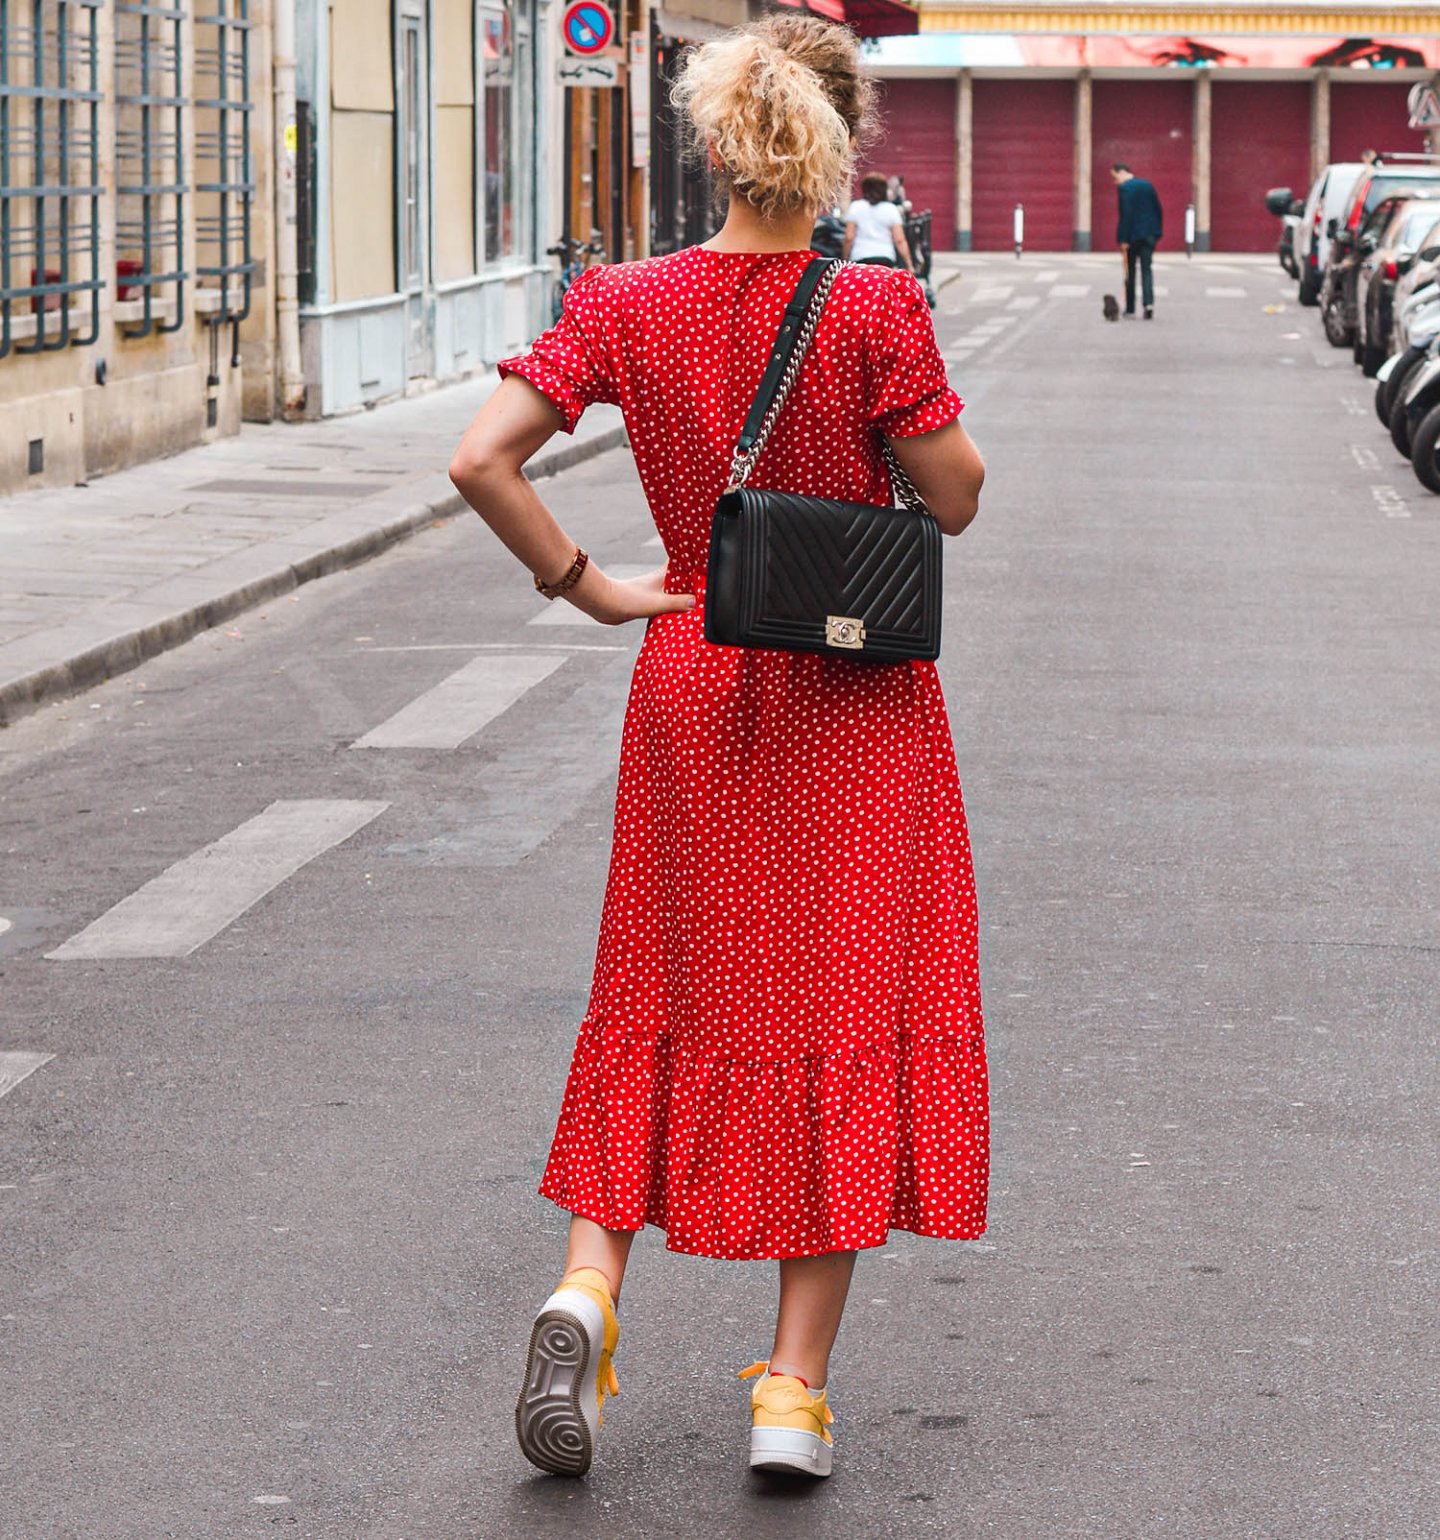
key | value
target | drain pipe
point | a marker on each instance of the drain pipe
(287, 259)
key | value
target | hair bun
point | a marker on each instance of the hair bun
(780, 105)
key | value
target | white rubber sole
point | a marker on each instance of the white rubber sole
(790, 1449)
(557, 1418)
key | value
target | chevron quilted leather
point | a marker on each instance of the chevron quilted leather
(781, 563)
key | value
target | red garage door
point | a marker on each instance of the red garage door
(1366, 115)
(1146, 125)
(1023, 132)
(1259, 138)
(919, 145)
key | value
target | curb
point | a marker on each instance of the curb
(128, 649)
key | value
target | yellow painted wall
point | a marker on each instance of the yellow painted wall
(362, 151)
(454, 150)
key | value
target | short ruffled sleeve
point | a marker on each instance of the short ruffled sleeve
(906, 391)
(570, 364)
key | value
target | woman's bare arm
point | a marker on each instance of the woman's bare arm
(487, 471)
(850, 229)
(902, 247)
(947, 471)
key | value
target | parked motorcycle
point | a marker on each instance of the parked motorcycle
(1418, 324)
(1421, 404)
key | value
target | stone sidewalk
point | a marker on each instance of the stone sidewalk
(96, 578)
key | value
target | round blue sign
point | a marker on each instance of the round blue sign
(588, 26)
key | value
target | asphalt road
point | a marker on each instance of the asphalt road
(270, 1237)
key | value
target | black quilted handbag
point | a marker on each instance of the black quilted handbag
(813, 574)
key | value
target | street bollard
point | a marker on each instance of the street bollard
(1019, 229)
(1189, 229)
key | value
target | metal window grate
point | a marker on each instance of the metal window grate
(150, 184)
(49, 175)
(225, 174)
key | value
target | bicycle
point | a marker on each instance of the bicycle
(571, 253)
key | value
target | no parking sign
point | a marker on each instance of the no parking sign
(587, 26)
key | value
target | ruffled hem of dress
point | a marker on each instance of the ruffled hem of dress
(750, 1159)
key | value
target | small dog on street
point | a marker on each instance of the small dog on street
(1112, 308)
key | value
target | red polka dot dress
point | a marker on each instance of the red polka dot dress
(783, 1052)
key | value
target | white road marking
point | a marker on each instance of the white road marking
(198, 897)
(5, 924)
(1070, 291)
(15, 1065)
(655, 540)
(461, 704)
(992, 293)
(1023, 302)
(1389, 501)
(1218, 267)
(1365, 457)
(1046, 275)
(958, 355)
(1218, 293)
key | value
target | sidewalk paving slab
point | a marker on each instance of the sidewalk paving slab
(96, 579)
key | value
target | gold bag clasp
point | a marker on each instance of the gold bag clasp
(844, 631)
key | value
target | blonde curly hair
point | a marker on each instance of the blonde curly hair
(782, 106)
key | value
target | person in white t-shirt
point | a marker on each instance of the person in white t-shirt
(875, 228)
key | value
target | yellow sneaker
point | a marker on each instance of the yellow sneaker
(568, 1373)
(789, 1424)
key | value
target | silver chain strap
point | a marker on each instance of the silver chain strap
(745, 460)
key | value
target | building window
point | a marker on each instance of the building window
(151, 183)
(50, 189)
(507, 92)
(224, 166)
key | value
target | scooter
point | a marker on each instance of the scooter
(1416, 326)
(1420, 403)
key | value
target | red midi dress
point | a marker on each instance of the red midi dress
(783, 1052)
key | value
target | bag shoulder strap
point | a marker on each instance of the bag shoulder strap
(797, 329)
(786, 341)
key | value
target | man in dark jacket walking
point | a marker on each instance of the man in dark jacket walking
(1139, 229)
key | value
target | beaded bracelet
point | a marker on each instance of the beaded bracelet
(566, 583)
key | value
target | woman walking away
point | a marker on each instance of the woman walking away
(875, 227)
(782, 1057)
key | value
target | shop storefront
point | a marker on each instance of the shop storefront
(421, 151)
(988, 107)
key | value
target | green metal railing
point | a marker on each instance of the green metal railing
(225, 185)
(49, 175)
(150, 180)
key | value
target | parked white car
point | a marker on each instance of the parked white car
(1327, 201)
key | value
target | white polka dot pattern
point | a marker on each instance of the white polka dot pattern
(783, 1053)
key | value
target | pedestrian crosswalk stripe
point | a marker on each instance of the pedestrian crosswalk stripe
(1070, 291)
(198, 897)
(1219, 293)
(560, 612)
(1045, 275)
(992, 293)
(1024, 302)
(462, 703)
(15, 1065)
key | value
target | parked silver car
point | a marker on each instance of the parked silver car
(1328, 198)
